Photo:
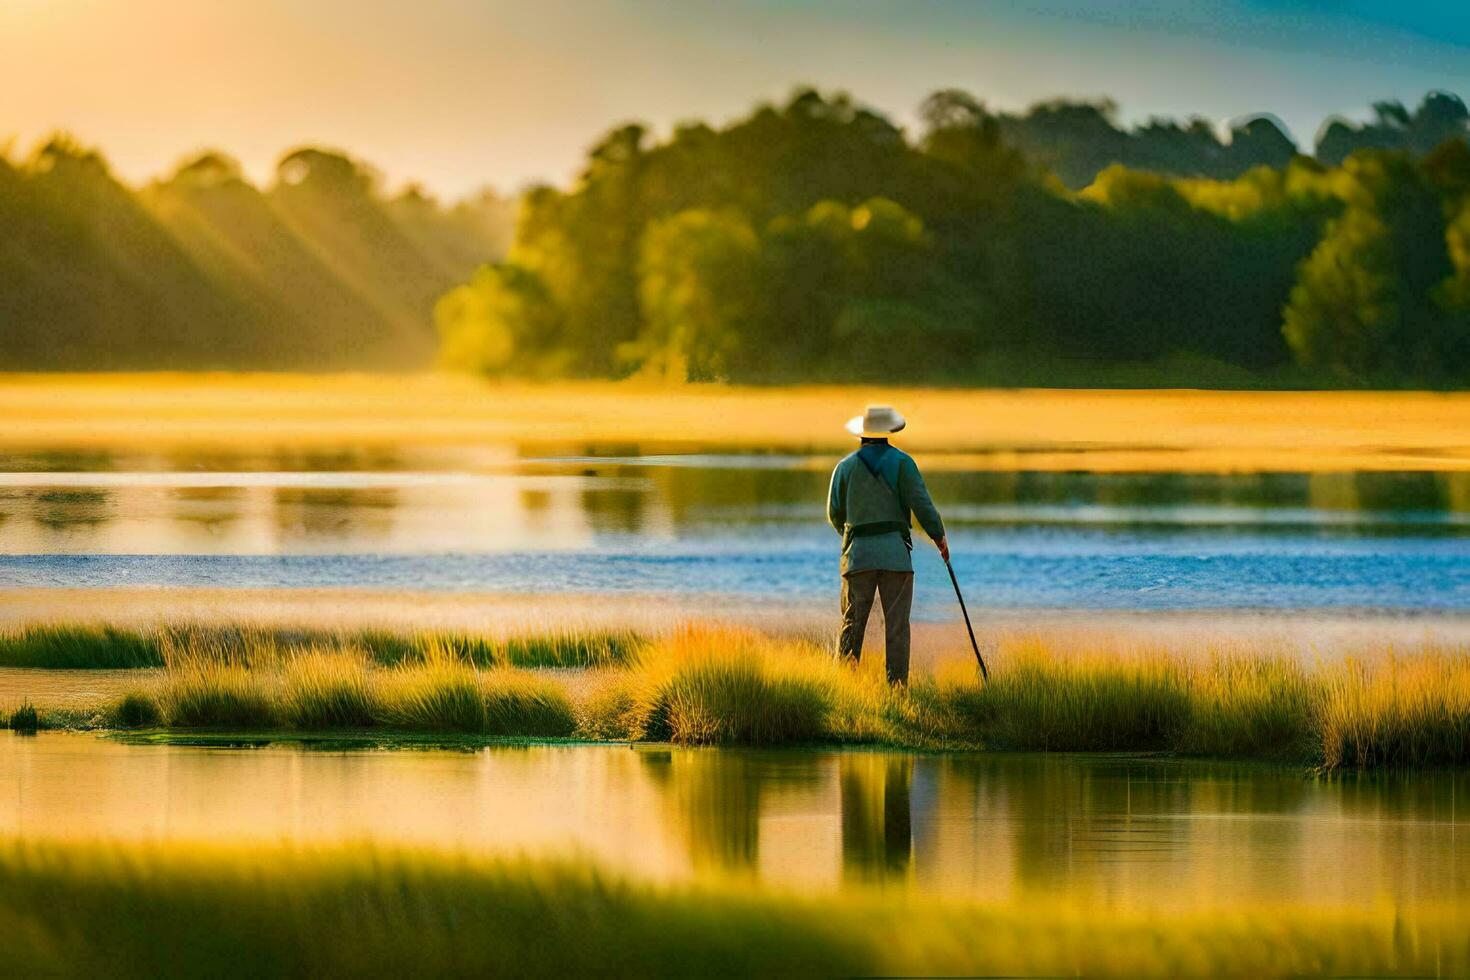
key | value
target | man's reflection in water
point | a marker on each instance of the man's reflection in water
(877, 830)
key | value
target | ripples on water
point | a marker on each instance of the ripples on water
(493, 518)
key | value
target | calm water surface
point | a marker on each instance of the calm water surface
(1117, 831)
(500, 518)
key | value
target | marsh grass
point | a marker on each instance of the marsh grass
(732, 686)
(358, 911)
(1262, 707)
(62, 646)
(1081, 701)
(329, 689)
(518, 703)
(25, 720)
(721, 685)
(204, 694)
(67, 647)
(1399, 711)
(136, 709)
(438, 697)
(342, 689)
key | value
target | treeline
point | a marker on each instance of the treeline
(1077, 140)
(815, 240)
(204, 270)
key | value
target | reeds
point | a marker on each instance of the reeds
(359, 911)
(82, 647)
(339, 689)
(728, 687)
(25, 719)
(68, 647)
(1399, 711)
(1038, 699)
(721, 685)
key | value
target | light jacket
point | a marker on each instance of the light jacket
(873, 511)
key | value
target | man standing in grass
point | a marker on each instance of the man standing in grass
(874, 495)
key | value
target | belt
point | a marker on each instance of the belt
(878, 527)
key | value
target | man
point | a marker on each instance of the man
(874, 491)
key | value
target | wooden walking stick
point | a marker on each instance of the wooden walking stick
(984, 673)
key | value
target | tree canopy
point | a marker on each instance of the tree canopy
(816, 240)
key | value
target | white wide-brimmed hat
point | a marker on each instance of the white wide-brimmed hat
(878, 420)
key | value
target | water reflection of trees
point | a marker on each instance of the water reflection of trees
(363, 513)
(1041, 825)
(211, 509)
(716, 797)
(616, 510)
(65, 510)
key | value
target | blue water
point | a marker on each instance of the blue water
(1014, 569)
(746, 527)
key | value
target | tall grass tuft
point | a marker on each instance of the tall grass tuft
(136, 709)
(518, 703)
(442, 696)
(592, 648)
(557, 648)
(212, 694)
(329, 689)
(726, 686)
(1397, 712)
(25, 720)
(67, 647)
(1261, 707)
(1042, 699)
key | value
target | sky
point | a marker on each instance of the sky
(460, 94)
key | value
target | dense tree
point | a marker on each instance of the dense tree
(700, 295)
(201, 269)
(1078, 140)
(812, 240)
(1441, 117)
(1366, 303)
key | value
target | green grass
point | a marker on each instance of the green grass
(145, 911)
(342, 690)
(727, 686)
(221, 695)
(72, 647)
(64, 647)
(1043, 702)
(329, 690)
(1401, 712)
(136, 709)
(731, 687)
(25, 719)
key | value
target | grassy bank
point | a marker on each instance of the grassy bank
(361, 912)
(64, 646)
(721, 686)
(1134, 431)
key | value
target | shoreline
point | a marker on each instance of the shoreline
(1167, 430)
(500, 613)
(1393, 707)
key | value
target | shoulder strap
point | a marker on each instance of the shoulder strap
(874, 456)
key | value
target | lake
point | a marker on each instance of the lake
(1109, 831)
(504, 518)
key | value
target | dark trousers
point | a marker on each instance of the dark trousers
(896, 590)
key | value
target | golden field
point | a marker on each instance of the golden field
(366, 911)
(1124, 430)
